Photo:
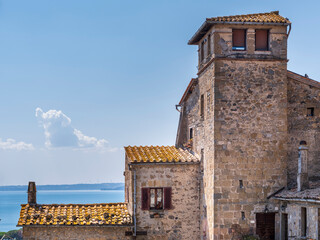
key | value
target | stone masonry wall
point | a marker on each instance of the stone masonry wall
(301, 127)
(202, 142)
(250, 139)
(181, 222)
(75, 233)
(293, 210)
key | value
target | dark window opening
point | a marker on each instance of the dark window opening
(303, 222)
(191, 133)
(310, 112)
(238, 39)
(202, 106)
(243, 216)
(156, 198)
(209, 45)
(262, 40)
(284, 226)
(240, 183)
(202, 51)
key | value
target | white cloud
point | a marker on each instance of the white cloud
(60, 133)
(11, 144)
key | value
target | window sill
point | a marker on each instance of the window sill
(156, 213)
(266, 52)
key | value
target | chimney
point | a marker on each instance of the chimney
(302, 179)
(32, 193)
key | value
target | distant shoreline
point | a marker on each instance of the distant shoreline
(81, 186)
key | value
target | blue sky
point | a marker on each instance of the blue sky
(81, 79)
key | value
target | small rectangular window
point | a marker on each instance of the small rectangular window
(240, 183)
(156, 198)
(238, 39)
(202, 106)
(303, 222)
(243, 216)
(310, 112)
(191, 133)
(262, 40)
(202, 51)
(209, 45)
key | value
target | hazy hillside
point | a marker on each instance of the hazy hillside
(82, 186)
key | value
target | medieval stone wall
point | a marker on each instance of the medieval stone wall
(75, 233)
(250, 139)
(183, 220)
(293, 210)
(302, 127)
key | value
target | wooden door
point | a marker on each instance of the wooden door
(265, 227)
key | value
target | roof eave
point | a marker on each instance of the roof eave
(163, 163)
(207, 24)
(186, 92)
(199, 34)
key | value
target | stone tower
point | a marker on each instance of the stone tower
(235, 116)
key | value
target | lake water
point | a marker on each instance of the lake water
(10, 202)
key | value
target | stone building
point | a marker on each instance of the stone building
(73, 221)
(245, 114)
(246, 154)
(162, 201)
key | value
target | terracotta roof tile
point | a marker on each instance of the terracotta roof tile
(271, 17)
(75, 214)
(155, 154)
(312, 193)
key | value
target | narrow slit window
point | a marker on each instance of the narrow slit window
(262, 40)
(303, 222)
(238, 39)
(243, 216)
(310, 112)
(240, 183)
(202, 51)
(209, 45)
(191, 133)
(202, 106)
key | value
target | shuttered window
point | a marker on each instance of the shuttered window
(145, 198)
(167, 198)
(262, 40)
(156, 198)
(238, 39)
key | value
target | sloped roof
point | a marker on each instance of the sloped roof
(75, 214)
(313, 193)
(192, 84)
(303, 79)
(270, 18)
(159, 154)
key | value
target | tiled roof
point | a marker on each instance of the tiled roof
(271, 17)
(75, 214)
(192, 84)
(312, 193)
(159, 154)
(303, 79)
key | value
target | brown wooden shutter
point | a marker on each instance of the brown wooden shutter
(239, 38)
(262, 39)
(167, 198)
(145, 198)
